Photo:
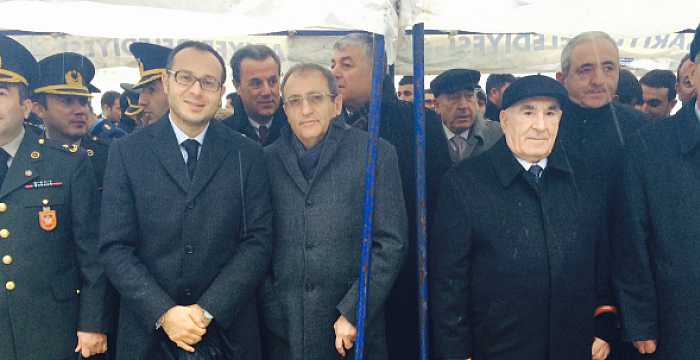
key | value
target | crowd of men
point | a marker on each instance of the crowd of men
(563, 224)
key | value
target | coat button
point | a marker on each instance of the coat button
(189, 249)
(4, 233)
(3, 207)
(7, 260)
(309, 203)
(309, 287)
(10, 285)
(309, 245)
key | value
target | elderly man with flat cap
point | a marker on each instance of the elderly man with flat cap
(658, 271)
(468, 132)
(511, 267)
(152, 60)
(52, 302)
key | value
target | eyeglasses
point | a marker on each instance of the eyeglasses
(187, 78)
(313, 99)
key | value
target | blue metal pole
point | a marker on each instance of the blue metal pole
(375, 107)
(421, 212)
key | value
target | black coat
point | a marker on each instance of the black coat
(171, 241)
(594, 140)
(318, 227)
(239, 122)
(511, 267)
(658, 271)
(59, 286)
(397, 127)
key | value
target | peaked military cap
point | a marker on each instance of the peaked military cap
(534, 86)
(152, 61)
(65, 74)
(17, 64)
(129, 101)
(454, 80)
(695, 45)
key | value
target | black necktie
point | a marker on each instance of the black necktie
(536, 172)
(191, 146)
(4, 157)
(263, 131)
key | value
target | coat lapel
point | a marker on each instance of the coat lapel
(166, 148)
(23, 164)
(214, 151)
(688, 128)
(289, 160)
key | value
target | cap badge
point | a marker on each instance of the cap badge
(74, 78)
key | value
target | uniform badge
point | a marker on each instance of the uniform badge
(74, 78)
(47, 218)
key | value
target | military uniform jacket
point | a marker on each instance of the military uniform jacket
(658, 271)
(173, 241)
(318, 227)
(52, 283)
(97, 150)
(511, 267)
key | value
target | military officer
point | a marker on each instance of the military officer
(131, 111)
(152, 60)
(61, 98)
(52, 287)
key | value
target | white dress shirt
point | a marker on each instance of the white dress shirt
(13, 146)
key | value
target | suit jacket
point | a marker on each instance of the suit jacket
(239, 122)
(171, 241)
(511, 266)
(318, 227)
(482, 136)
(657, 268)
(59, 286)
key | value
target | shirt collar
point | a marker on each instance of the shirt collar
(697, 109)
(181, 136)
(526, 164)
(450, 134)
(13, 146)
(256, 125)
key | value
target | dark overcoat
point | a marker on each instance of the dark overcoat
(318, 232)
(511, 268)
(52, 282)
(658, 271)
(239, 122)
(173, 241)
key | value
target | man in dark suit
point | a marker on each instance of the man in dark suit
(53, 286)
(594, 132)
(657, 271)
(352, 67)
(511, 265)
(317, 172)
(152, 98)
(189, 239)
(258, 113)
(63, 107)
(468, 133)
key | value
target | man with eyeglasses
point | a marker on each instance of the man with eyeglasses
(189, 236)
(151, 59)
(467, 132)
(316, 170)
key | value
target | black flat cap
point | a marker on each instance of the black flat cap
(534, 86)
(695, 45)
(17, 64)
(152, 61)
(454, 80)
(65, 74)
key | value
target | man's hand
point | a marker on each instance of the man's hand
(600, 349)
(178, 325)
(91, 344)
(645, 346)
(345, 334)
(198, 317)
